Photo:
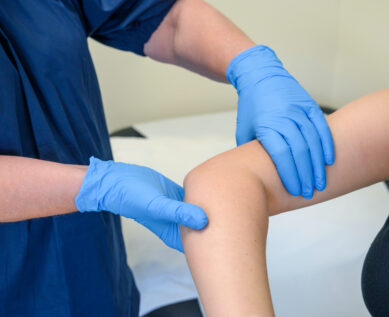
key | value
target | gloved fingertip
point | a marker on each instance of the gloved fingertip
(329, 155)
(307, 196)
(320, 185)
(294, 190)
(194, 218)
(307, 192)
(199, 223)
(330, 160)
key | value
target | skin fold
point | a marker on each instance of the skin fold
(240, 189)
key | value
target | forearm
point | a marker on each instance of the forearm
(240, 188)
(196, 36)
(31, 188)
(227, 258)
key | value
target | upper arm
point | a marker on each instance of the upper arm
(361, 135)
(160, 45)
(124, 24)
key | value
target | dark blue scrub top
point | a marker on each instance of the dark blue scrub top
(51, 108)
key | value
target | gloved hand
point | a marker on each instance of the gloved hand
(142, 194)
(276, 110)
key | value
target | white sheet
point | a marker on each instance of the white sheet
(315, 254)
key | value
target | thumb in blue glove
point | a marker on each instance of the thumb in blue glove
(141, 194)
(275, 109)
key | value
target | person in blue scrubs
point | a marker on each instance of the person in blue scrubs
(55, 156)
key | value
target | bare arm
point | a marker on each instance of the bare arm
(31, 188)
(227, 259)
(196, 36)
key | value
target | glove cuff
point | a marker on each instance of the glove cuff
(88, 197)
(253, 65)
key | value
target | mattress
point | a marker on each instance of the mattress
(315, 254)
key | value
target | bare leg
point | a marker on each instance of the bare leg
(240, 188)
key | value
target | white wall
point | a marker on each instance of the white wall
(336, 48)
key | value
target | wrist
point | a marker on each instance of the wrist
(88, 198)
(253, 65)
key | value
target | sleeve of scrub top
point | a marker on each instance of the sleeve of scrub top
(124, 24)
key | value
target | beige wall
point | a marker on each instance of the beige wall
(362, 61)
(336, 48)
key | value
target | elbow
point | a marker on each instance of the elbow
(206, 182)
(224, 187)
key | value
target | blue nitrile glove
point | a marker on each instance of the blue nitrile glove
(142, 194)
(276, 110)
